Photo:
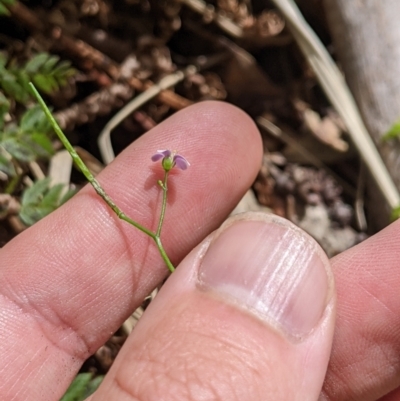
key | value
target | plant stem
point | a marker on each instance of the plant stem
(164, 255)
(100, 191)
(82, 166)
(164, 188)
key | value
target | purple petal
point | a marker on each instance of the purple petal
(165, 153)
(181, 162)
(160, 155)
(156, 157)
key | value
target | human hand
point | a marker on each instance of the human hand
(70, 281)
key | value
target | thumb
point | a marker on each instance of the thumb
(248, 315)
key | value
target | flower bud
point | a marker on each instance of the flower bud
(168, 163)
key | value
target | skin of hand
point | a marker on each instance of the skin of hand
(249, 313)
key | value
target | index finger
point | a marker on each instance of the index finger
(365, 361)
(68, 282)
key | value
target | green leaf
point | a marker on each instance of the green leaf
(8, 2)
(53, 196)
(4, 108)
(64, 67)
(34, 64)
(31, 214)
(42, 140)
(23, 79)
(394, 132)
(6, 166)
(37, 149)
(70, 193)
(40, 200)
(25, 216)
(49, 65)
(35, 193)
(21, 151)
(34, 120)
(82, 386)
(94, 385)
(30, 139)
(44, 69)
(46, 83)
(12, 88)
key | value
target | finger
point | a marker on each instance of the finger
(365, 362)
(392, 396)
(68, 282)
(248, 315)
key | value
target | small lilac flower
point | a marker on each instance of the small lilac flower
(170, 160)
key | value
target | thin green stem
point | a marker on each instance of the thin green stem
(100, 191)
(164, 255)
(164, 188)
(85, 171)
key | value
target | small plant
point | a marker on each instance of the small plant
(46, 71)
(25, 132)
(41, 199)
(24, 142)
(168, 159)
(82, 387)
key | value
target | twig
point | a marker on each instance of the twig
(97, 104)
(208, 11)
(104, 140)
(171, 99)
(36, 170)
(24, 15)
(80, 49)
(105, 100)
